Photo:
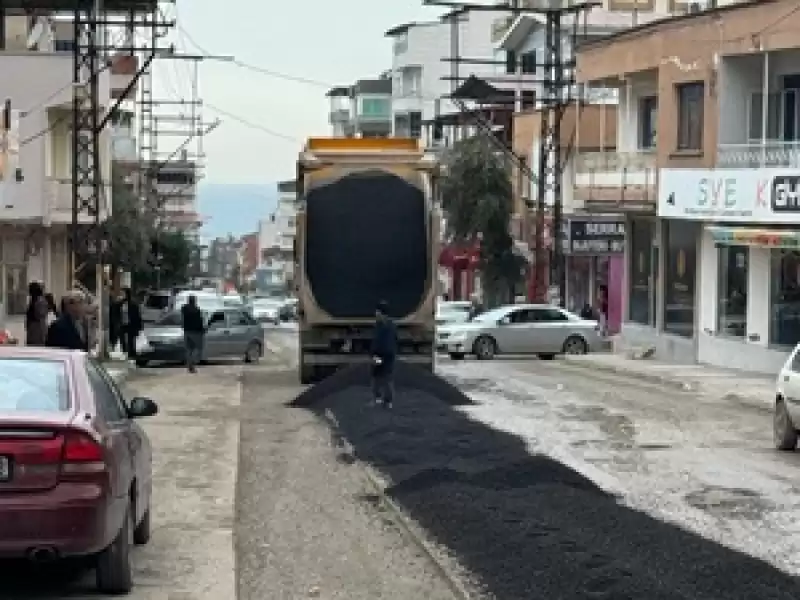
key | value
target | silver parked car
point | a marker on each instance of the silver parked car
(232, 332)
(520, 329)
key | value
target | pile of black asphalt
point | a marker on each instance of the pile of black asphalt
(526, 526)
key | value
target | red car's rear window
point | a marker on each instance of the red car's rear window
(33, 385)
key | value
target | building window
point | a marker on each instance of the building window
(415, 125)
(648, 116)
(376, 107)
(681, 250)
(641, 293)
(784, 328)
(690, 116)
(732, 290)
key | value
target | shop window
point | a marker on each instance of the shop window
(681, 244)
(641, 292)
(732, 290)
(784, 328)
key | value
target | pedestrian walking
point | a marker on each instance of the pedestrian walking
(130, 322)
(68, 331)
(194, 332)
(384, 352)
(115, 320)
(36, 316)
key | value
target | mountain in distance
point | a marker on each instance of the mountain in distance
(234, 208)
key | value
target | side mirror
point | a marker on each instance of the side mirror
(142, 407)
(504, 321)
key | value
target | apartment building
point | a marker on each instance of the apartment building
(709, 115)
(363, 109)
(36, 62)
(276, 240)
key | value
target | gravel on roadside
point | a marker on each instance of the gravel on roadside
(526, 526)
(308, 524)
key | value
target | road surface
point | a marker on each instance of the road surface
(704, 463)
(301, 523)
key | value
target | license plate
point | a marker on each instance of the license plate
(5, 468)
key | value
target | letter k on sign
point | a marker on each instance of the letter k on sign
(761, 186)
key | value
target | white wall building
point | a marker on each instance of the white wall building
(418, 68)
(276, 235)
(37, 65)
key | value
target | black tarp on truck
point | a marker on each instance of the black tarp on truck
(366, 233)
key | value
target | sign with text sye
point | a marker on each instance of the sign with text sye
(733, 195)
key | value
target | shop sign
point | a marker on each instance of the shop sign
(733, 195)
(586, 237)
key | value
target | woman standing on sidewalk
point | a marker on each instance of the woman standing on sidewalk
(36, 316)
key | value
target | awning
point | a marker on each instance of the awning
(766, 238)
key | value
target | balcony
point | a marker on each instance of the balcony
(58, 203)
(339, 115)
(616, 181)
(755, 155)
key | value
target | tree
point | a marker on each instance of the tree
(477, 201)
(169, 260)
(128, 230)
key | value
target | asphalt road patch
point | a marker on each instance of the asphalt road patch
(526, 526)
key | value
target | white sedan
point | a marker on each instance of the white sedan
(266, 311)
(540, 329)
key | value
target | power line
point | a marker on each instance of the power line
(249, 123)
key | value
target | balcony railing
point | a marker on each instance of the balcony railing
(754, 155)
(616, 177)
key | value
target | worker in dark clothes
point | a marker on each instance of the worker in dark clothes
(384, 352)
(194, 332)
(68, 331)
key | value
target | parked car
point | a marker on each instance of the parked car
(288, 310)
(266, 310)
(75, 466)
(787, 403)
(207, 301)
(539, 329)
(231, 332)
(155, 304)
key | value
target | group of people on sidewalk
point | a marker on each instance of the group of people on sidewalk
(72, 324)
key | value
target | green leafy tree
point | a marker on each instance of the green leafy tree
(169, 261)
(128, 230)
(477, 201)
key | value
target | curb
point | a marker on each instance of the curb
(374, 480)
(695, 387)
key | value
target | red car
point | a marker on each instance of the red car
(75, 467)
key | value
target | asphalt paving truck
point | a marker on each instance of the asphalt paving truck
(367, 232)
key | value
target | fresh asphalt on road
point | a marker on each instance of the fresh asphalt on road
(304, 523)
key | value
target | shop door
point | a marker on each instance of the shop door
(15, 289)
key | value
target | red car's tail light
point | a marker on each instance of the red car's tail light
(79, 447)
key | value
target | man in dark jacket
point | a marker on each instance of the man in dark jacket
(67, 331)
(384, 352)
(131, 323)
(194, 332)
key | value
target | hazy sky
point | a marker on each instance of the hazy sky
(330, 42)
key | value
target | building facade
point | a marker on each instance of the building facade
(363, 109)
(711, 256)
(35, 61)
(276, 240)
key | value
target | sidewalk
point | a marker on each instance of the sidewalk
(752, 389)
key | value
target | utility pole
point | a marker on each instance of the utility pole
(554, 75)
(91, 21)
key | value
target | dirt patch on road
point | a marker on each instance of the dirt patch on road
(527, 526)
